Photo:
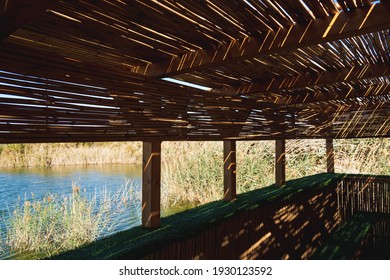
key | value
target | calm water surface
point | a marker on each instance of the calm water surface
(22, 183)
(16, 183)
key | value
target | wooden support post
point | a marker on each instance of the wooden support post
(329, 155)
(280, 162)
(151, 181)
(229, 170)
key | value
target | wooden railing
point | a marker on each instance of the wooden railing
(294, 227)
(289, 222)
(370, 194)
(363, 193)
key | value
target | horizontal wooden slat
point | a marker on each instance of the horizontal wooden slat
(78, 70)
(342, 25)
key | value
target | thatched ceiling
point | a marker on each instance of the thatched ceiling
(92, 70)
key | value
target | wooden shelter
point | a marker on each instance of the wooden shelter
(92, 70)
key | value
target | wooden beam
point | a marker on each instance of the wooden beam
(329, 155)
(16, 13)
(272, 86)
(151, 182)
(280, 162)
(229, 169)
(307, 98)
(319, 31)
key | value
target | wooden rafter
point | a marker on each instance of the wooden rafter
(267, 87)
(342, 25)
(76, 71)
(347, 94)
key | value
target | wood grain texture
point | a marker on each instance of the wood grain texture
(229, 170)
(151, 184)
(280, 162)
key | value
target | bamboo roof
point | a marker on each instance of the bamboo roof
(93, 70)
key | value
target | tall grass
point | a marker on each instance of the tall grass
(367, 156)
(305, 157)
(255, 162)
(46, 155)
(53, 224)
(192, 171)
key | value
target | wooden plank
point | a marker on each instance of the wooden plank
(329, 155)
(319, 31)
(151, 184)
(229, 169)
(380, 129)
(280, 162)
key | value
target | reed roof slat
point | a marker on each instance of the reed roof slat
(91, 70)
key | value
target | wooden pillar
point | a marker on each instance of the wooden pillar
(151, 181)
(229, 170)
(329, 155)
(280, 162)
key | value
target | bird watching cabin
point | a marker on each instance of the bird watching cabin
(210, 70)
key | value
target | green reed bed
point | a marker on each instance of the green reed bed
(39, 228)
(193, 171)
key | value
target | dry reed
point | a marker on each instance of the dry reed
(38, 228)
(192, 171)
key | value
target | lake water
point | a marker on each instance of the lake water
(21, 184)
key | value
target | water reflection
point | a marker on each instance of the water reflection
(37, 183)
(22, 182)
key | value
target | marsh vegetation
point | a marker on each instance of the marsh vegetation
(192, 174)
